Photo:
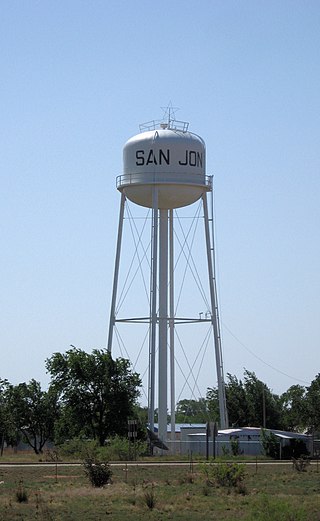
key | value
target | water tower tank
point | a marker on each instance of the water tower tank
(171, 159)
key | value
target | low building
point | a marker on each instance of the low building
(245, 440)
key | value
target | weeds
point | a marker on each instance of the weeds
(205, 490)
(42, 510)
(190, 478)
(150, 498)
(187, 478)
(271, 509)
(21, 493)
(134, 500)
(241, 489)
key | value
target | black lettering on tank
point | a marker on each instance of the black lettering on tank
(151, 158)
(163, 156)
(140, 157)
(186, 160)
(192, 158)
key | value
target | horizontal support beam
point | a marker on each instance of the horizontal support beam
(176, 320)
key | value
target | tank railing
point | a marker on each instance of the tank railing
(175, 124)
(148, 178)
(150, 125)
(172, 124)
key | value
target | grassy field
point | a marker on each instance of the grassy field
(269, 493)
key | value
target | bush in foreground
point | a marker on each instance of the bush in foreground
(230, 475)
(98, 472)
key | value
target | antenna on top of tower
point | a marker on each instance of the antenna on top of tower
(168, 121)
(169, 113)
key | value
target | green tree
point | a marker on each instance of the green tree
(294, 406)
(270, 443)
(313, 405)
(263, 405)
(33, 412)
(237, 402)
(98, 393)
(140, 414)
(192, 411)
(8, 431)
(249, 402)
(213, 404)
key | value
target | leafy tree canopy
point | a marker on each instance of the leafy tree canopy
(192, 411)
(8, 430)
(98, 393)
(294, 412)
(312, 412)
(249, 402)
(32, 411)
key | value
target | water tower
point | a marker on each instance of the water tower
(164, 168)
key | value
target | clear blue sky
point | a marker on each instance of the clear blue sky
(77, 78)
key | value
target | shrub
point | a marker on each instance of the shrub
(121, 449)
(225, 450)
(300, 464)
(98, 472)
(79, 448)
(117, 449)
(224, 474)
(235, 446)
(52, 455)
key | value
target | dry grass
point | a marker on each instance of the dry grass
(273, 494)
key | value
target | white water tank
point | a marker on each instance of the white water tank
(173, 160)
